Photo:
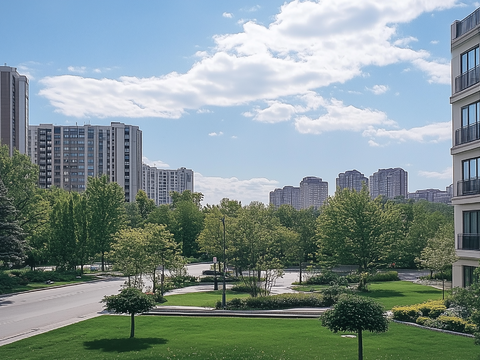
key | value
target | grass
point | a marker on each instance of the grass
(41, 285)
(400, 293)
(202, 299)
(106, 337)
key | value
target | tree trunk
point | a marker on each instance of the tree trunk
(162, 279)
(360, 345)
(103, 261)
(154, 280)
(300, 272)
(132, 325)
(443, 285)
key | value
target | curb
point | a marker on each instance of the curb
(284, 314)
(57, 287)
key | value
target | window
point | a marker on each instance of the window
(468, 275)
(470, 60)
(470, 169)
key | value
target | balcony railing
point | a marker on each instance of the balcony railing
(468, 242)
(468, 187)
(471, 77)
(468, 23)
(467, 134)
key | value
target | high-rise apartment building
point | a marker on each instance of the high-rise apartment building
(68, 155)
(353, 180)
(465, 101)
(13, 109)
(389, 183)
(289, 195)
(159, 183)
(313, 192)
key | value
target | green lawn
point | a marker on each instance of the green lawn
(203, 299)
(400, 293)
(391, 293)
(106, 337)
(41, 285)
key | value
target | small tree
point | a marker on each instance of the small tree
(356, 314)
(130, 301)
(439, 252)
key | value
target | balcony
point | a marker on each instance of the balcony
(468, 187)
(468, 242)
(470, 78)
(468, 23)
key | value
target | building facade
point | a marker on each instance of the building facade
(68, 155)
(289, 195)
(313, 192)
(353, 180)
(465, 101)
(433, 195)
(13, 109)
(159, 183)
(389, 183)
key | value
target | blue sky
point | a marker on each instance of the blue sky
(250, 95)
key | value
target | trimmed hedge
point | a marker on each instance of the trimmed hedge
(329, 277)
(410, 313)
(275, 302)
(451, 323)
(383, 276)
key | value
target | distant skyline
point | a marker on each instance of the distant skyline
(250, 95)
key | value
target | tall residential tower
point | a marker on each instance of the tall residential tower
(389, 183)
(13, 109)
(465, 100)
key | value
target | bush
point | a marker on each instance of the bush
(383, 276)
(275, 302)
(332, 293)
(451, 323)
(430, 309)
(245, 289)
(325, 278)
(158, 297)
(7, 282)
(219, 279)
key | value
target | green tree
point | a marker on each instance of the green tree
(106, 213)
(303, 223)
(12, 244)
(84, 247)
(187, 220)
(161, 215)
(161, 250)
(145, 205)
(355, 230)
(130, 301)
(356, 314)
(20, 177)
(439, 254)
(62, 246)
(258, 243)
(128, 253)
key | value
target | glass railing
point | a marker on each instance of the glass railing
(471, 77)
(468, 187)
(468, 242)
(467, 134)
(468, 23)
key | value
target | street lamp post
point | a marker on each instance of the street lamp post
(224, 303)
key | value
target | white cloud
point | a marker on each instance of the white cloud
(309, 45)
(216, 188)
(159, 164)
(215, 134)
(204, 111)
(433, 133)
(405, 41)
(445, 174)
(378, 89)
(373, 143)
(275, 112)
(27, 69)
(98, 71)
(434, 42)
(341, 117)
(234, 137)
(77, 69)
(227, 15)
(252, 9)
(438, 72)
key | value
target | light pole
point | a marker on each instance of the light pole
(224, 303)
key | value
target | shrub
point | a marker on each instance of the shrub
(7, 282)
(383, 276)
(245, 289)
(325, 278)
(157, 296)
(431, 309)
(421, 320)
(274, 302)
(332, 293)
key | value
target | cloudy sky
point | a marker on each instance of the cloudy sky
(250, 95)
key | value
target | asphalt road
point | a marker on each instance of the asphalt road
(27, 314)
